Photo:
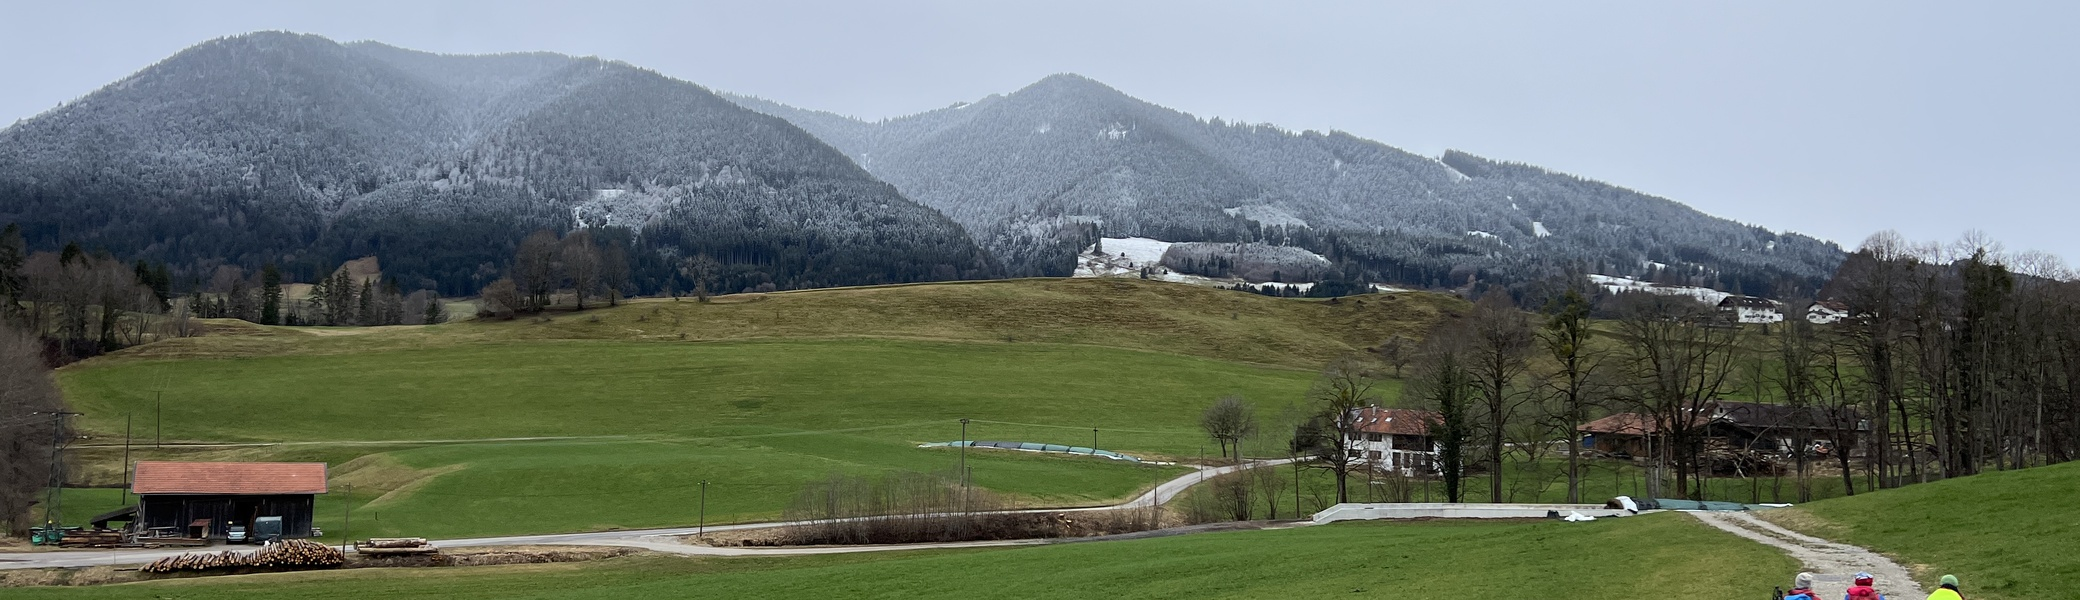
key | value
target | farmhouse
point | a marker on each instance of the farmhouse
(1396, 440)
(1750, 309)
(205, 499)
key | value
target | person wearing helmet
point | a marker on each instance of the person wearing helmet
(1864, 588)
(1801, 588)
(1948, 591)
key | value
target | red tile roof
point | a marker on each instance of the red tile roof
(238, 478)
(1395, 421)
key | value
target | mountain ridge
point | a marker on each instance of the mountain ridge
(1388, 213)
(285, 148)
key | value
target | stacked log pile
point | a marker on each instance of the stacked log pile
(298, 554)
(96, 538)
(287, 554)
(395, 546)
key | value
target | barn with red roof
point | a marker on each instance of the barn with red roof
(206, 499)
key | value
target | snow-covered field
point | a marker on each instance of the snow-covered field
(1141, 251)
(1817, 313)
(1626, 284)
(1125, 257)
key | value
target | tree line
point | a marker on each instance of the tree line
(1955, 359)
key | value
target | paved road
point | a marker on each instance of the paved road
(663, 540)
(1832, 564)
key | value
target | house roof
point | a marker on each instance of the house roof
(233, 478)
(1621, 424)
(1740, 414)
(1777, 416)
(1395, 421)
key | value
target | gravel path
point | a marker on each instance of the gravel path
(1832, 564)
(664, 540)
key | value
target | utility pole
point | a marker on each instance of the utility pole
(126, 458)
(1094, 438)
(702, 528)
(346, 526)
(1296, 489)
(54, 497)
(964, 466)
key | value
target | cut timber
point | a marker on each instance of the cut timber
(396, 551)
(394, 542)
(395, 546)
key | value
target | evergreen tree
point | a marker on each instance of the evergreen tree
(366, 313)
(12, 253)
(435, 312)
(270, 295)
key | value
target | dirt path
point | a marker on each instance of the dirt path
(1832, 564)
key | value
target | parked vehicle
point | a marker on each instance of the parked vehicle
(267, 530)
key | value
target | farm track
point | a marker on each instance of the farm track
(662, 540)
(1831, 563)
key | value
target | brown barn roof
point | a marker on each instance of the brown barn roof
(1395, 421)
(238, 478)
(1622, 424)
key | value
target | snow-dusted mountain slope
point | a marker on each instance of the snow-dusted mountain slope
(1040, 173)
(293, 149)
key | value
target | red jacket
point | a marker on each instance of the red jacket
(1863, 591)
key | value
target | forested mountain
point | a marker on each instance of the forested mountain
(296, 150)
(1037, 174)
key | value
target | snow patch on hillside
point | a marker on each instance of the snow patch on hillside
(1266, 214)
(1617, 285)
(1539, 229)
(1127, 257)
(1141, 251)
(1482, 234)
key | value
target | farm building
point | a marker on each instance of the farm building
(205, 499)
(1622, 434)
(1396, 439)
(1743, 426)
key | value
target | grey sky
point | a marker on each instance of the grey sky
(1835, 119)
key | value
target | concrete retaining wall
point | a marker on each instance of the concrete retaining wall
(1440, 510)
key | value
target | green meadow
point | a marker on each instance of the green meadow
(1660, 553)
(2009, 535)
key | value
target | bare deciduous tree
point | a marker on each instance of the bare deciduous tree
(1228, 421)
(1572, 377)
(1330, 437)
(1682, 359)
(25, 437)
(535, 272)
(500, 298)
(582, 264)
(701, 270)
(1498, 343)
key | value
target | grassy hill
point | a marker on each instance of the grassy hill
(2008, 535)
(764, 393)
(1634, 558)
(1115, 313)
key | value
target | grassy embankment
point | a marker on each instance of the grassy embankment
(1364, 560)
(2007, 535)
(764, 393)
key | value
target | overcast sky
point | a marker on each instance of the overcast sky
(1835, 119)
